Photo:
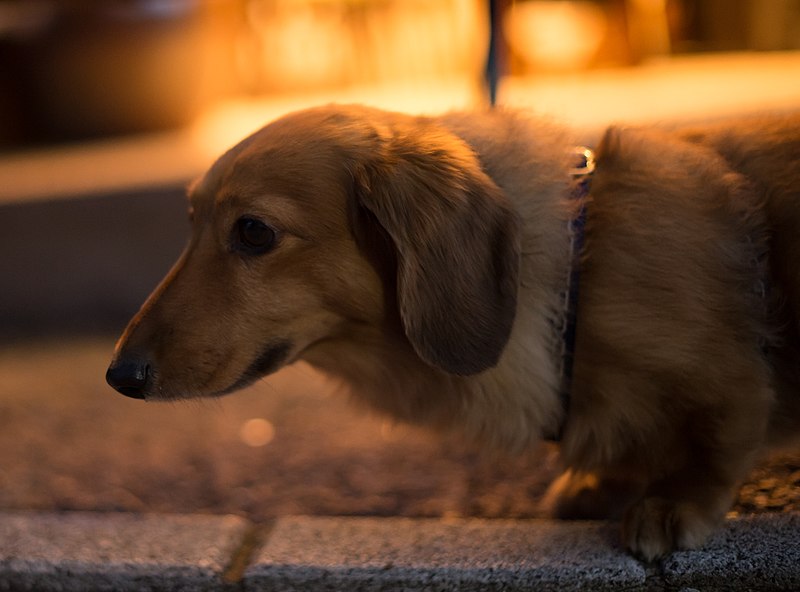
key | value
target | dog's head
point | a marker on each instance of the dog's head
(325, 226)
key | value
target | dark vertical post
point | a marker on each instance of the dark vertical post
(496, 58)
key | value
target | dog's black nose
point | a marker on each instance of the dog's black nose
(129, 377)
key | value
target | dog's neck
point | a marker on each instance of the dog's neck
(513, 405)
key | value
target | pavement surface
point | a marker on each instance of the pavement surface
(121, 552)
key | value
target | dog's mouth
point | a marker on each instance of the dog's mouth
(135, 377)
(272, 357)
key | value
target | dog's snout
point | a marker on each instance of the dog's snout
(129, 377)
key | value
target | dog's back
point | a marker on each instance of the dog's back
(767, 151)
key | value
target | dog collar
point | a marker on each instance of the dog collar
(581, 176)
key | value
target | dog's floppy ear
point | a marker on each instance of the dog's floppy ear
(456, 241)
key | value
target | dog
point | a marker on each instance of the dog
(458, 273)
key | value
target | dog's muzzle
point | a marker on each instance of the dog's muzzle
(129, 377)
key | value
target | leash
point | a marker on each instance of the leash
(581, 176)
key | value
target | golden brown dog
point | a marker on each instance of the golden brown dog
(426, 262)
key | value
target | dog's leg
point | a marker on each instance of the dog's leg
(702, 437)
(680, 509)
(579, 495)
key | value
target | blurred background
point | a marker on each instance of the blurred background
(72, 69)
(108, 108)
(134, 98)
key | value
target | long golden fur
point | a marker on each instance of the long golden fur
(425, 260)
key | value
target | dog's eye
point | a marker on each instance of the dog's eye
(252, 236)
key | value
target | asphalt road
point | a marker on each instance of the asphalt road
(292, 444)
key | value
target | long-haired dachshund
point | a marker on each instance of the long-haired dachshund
(469, 272)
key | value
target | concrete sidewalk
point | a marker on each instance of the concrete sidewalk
(98, 551)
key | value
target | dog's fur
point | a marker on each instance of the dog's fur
(424, 261)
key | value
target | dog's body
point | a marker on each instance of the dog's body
(425, 262)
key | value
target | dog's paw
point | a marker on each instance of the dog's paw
(654, 527)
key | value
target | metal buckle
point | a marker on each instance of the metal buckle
(585, 162)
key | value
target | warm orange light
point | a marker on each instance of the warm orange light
(257, 432)
(293, 45)
(556, 34)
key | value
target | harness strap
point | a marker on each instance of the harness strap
(581, 181)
